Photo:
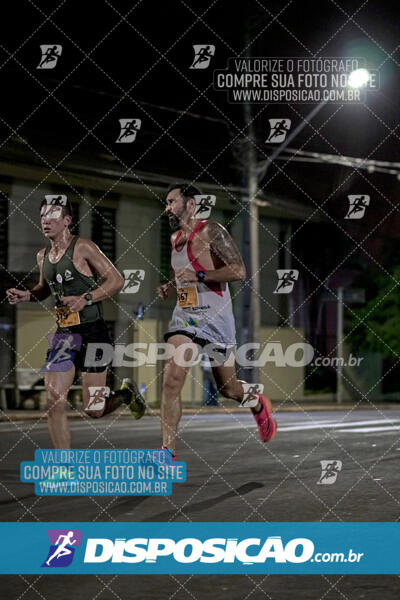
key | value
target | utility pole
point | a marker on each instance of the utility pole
(339, 345)
(251, 321)
(253, 172)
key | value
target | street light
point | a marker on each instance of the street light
(358, 78)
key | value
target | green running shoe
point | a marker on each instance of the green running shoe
(134, 399)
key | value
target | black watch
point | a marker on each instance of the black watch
(200, 276)
(89, 299)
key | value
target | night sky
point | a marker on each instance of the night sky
(125, 59)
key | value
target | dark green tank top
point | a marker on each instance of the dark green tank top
(65, 280)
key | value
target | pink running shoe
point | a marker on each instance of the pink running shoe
(266, 424)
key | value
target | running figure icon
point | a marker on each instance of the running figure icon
(286, 280)
(62, 549)
(63, 347)
(129, 130)
(202, 56)
(357, 207)
(133, 279)
(204, 204)
(279, 130)
(50, 55)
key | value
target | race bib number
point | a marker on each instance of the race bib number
(66, 318)
(187, 296)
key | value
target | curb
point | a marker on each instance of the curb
(32, 415)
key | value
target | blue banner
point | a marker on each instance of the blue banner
(156, 548)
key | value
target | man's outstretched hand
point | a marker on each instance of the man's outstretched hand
(164, 289)
(15, 296)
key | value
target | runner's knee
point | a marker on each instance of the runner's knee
(174, 378)
(56, 401)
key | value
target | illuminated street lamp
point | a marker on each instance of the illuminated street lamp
(358, 78)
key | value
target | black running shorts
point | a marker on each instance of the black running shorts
(69, 346)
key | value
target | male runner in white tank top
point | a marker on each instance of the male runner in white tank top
(204, 259)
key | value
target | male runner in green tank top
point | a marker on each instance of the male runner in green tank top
(79, 276)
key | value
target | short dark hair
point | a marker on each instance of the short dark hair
(67, 207)
(186, 189)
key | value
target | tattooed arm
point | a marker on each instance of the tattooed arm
(225, 253)
(228, 264)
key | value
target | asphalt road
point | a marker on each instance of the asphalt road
(231, 476)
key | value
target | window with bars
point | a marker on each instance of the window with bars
(282, 249)
(228, 220)
(3, 230)
(75, 218)
(103, 230)
(165, 249)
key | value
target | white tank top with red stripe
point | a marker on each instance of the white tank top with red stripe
(209, 316)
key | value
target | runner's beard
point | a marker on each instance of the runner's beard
(174, 222)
